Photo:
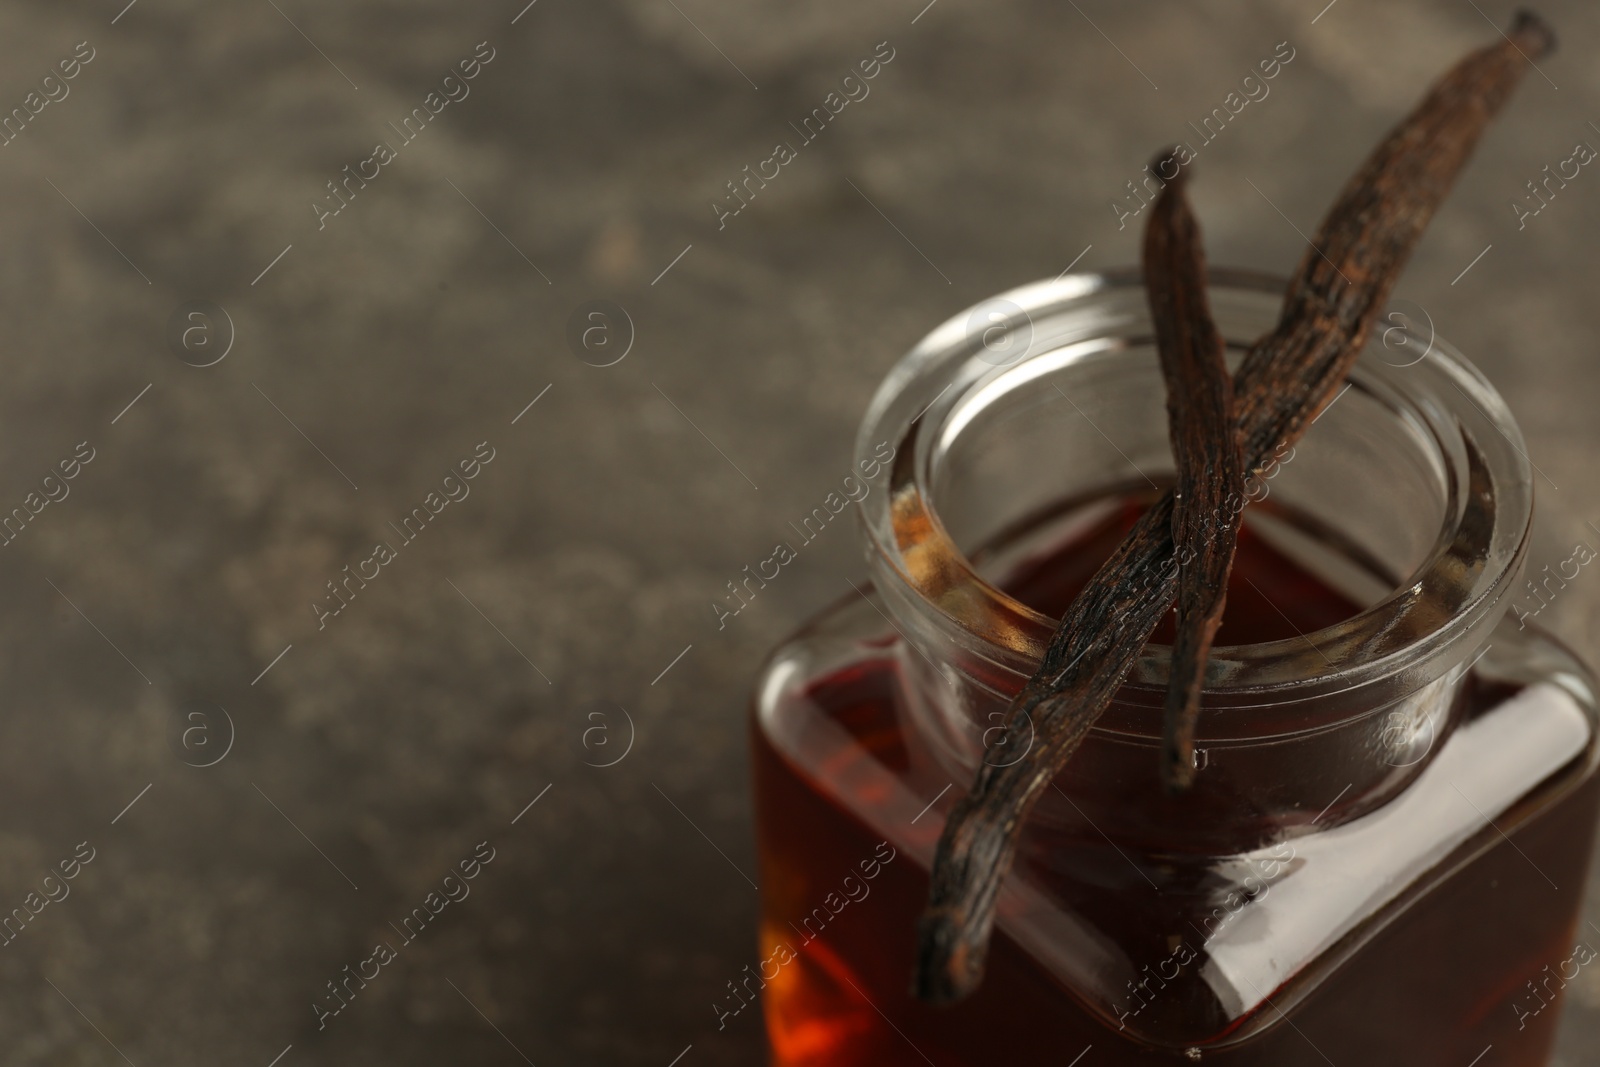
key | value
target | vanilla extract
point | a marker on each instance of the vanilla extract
(1582, 956)
(1131, 944)
(856, 887)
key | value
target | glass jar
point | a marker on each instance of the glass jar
(1384, 851)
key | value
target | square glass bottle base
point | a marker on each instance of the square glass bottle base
(1471, 951)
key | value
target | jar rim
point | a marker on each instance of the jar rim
(1402, 639)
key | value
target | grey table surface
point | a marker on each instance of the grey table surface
(165, 606)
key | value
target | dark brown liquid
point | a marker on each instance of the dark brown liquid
(1447, 977)
(1300, 602)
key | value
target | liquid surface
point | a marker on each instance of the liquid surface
(1299, 602)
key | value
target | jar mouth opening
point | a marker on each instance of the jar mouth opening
(1446, 413)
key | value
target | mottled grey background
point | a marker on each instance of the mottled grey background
(409, 330)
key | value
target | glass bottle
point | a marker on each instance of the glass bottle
(1384, 851)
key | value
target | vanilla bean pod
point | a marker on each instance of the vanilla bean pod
(1208, 501)
(1286, 380)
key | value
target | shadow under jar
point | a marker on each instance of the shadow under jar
(1382, 858)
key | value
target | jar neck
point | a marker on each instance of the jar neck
(1015, 420)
